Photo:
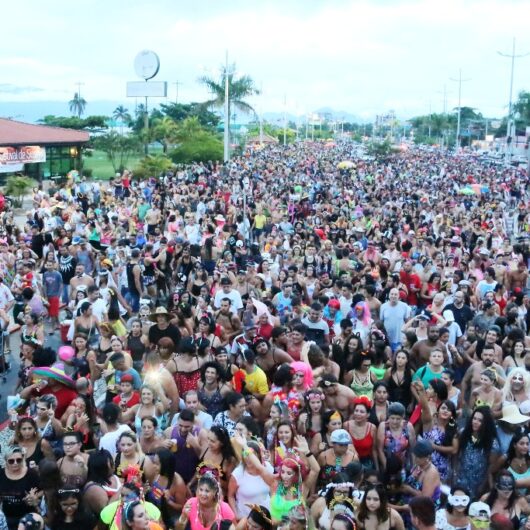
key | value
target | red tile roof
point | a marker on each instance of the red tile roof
(17, 133)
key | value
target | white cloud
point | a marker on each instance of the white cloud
(359, 56)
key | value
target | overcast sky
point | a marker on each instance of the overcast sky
(362, 57)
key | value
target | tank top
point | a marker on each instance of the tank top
(364, 445)
(130, 278)
(186, 459)
(213, 403)
(136, 347)
(362, 387)
(280, 506)
(186, 381)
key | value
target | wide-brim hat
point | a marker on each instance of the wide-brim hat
(160, 311)
(512, 414)
(56, 372)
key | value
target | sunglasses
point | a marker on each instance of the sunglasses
(15, 460)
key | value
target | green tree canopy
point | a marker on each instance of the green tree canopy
(73, 122)
(195, 143)
(180, 111)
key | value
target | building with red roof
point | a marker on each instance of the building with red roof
(39, 151)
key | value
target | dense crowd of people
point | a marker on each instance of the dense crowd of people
(304, 337)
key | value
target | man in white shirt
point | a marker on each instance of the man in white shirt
(226, 291)
(99, 307)
(191, 401)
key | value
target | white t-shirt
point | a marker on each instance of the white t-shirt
(202, 417)
(233, 296)
(252, 490)
(108, 441)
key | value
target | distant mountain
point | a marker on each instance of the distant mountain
(340, 115)
(33, 111)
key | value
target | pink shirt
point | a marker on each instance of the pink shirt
(224, 512)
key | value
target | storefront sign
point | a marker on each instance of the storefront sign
(28, 154)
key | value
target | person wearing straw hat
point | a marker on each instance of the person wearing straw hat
(163, 327)
(510, 421)
(51, 380)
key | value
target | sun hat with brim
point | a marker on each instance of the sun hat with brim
(56, 372)
(511, 414)
(159, 311)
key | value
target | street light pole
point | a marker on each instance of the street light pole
(510, 127)
(459, 81)
(284, 119)
(177, 84)
(226, 150)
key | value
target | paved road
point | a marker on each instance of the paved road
(53, 341)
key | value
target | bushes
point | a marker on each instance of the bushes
(200, 147)
(17, 187)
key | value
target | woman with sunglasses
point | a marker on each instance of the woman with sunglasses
(70, 513)
(505, 500)
(375, 513)
(455, 514)
(19, 487)
(336, 492)
(517, 386)
(360, 378)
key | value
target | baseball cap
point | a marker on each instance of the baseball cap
(341, 437)
(479, 509)
(126, 378)
(448, 315)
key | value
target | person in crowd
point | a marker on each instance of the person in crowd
(325, 307)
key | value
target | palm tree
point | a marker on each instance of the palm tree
(239, 88)
(122, 115)
(165, 131)
(77, 105)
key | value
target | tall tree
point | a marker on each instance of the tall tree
(122, 115)
(239, 88)
(77, 105)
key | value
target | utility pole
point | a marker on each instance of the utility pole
(79, 85)
(459, 81)
(177, 84)
(284, 119)
(430, 118)
(510, 128)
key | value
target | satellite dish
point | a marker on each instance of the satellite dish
(146, 64)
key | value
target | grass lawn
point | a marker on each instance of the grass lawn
(102, 168)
